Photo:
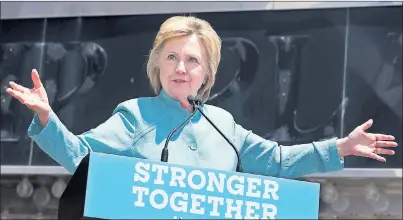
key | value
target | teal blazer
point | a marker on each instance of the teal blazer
(139, 127)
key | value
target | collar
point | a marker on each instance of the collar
(175, 106)
(171, 102)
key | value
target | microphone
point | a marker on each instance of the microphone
(196, 105)
(164, 154)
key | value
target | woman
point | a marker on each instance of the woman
(184, 61)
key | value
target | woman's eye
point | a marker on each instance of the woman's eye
(192, 59)
(171, 56)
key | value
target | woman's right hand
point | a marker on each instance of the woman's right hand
(35, 99)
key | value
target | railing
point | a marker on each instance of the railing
(352, 173)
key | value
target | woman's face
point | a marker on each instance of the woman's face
(182, 66)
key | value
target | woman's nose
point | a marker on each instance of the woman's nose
(181, 68)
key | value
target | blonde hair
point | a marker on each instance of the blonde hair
(184, 26)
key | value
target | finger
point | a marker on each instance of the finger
(377, 157)
(18, 87)
(366, 125)
(22, 98)
(15, 93)
(36, 79)
(18, 95)
(385, 144)
(385, 151)
(384, 137)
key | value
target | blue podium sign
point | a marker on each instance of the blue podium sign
(127, 188)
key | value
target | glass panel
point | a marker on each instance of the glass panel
(374, 77)
(17, 52)
(282, 73)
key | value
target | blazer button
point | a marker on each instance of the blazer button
(192, 147)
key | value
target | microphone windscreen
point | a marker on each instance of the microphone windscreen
(191, 98)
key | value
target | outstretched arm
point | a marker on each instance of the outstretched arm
(265, 157)
(113, 136)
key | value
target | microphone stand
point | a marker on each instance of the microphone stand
(196, 105)
(164, 154)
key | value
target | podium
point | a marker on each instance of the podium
(106, 186)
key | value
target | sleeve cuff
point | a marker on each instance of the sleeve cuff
(331, 159)
(36, 129)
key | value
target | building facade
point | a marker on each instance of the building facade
(292, 72)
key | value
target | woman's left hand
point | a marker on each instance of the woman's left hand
(360, 143)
